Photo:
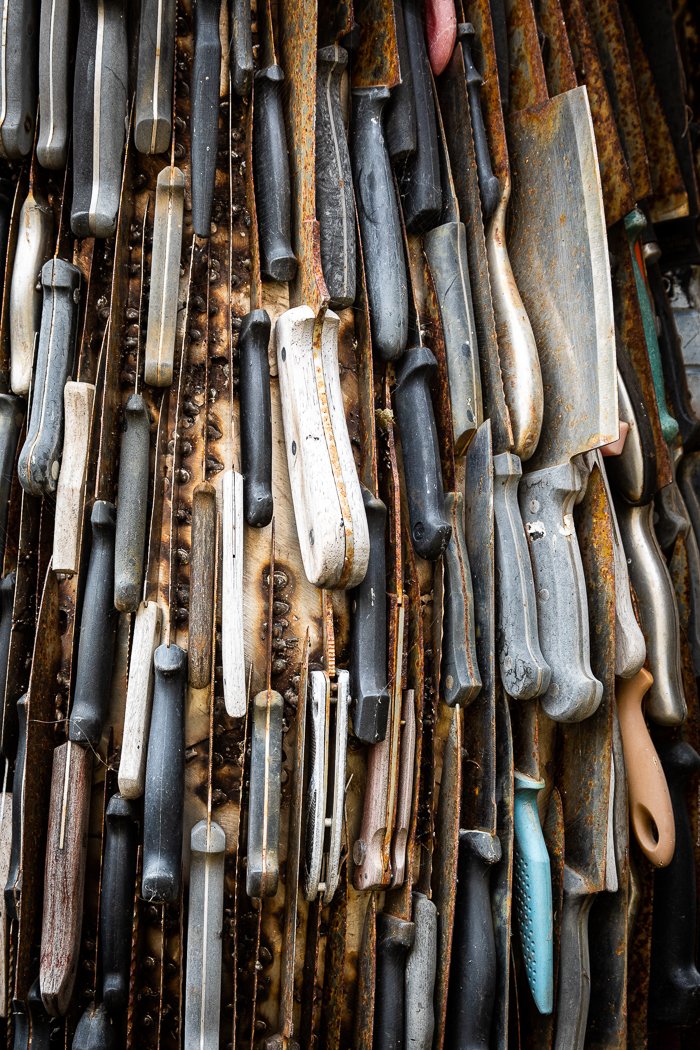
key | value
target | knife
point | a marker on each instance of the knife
(404, 795)
(204, 95)
(34, 234)
(38, 465)
(20, 1023)
(488, 183)
(203, 550)
(241, 49)
(54, 111)
(256, 417)
(634, 472)
(369, 674)
(400, 131)
(460, 677)
(165, 277)
(262, 873)
(574, 978)
(420, 975)
(154, 81)
(13, 883)
(18, 78)
(11, 419)
(139, 695)
(440, 32)
(5, 852)
(40, 1023)
(99, 117)
(132, 505)
(117, 902)
(96, 1028)
(78, 402)
(532, 892)
(232, 654)
(204, 932)
(7, 598)
(395, 937)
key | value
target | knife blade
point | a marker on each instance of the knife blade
(256, 417)
(202, 597)
(488, 183)
(262, 873)
(139, 696)
(35, 228)
(54, 109)
(132, 505)
(204, 95)
(241, 49)
(165, 277)
(369, 675)
(117, 902)
(78, 402)
(440, 32)
(13, 883)
(18, 78)
(204, 933)
(154, 80)
(395, 937)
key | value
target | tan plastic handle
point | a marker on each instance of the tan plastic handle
(651, 812)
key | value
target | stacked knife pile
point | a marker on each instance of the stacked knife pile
(350, 524)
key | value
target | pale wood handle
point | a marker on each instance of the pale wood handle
(165, 277)
(202, 598)
(139, 693)
(232, 651)
(35, 226)
(78, 399)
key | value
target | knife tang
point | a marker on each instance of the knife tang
(461, 681)
(78, 401)
(440, 32)
(488, 183)
(38, 464)
(117, 901)
(368, 642)
(164, 794)
(401, 111)
(430, 529)
(35, 226)
(40, 1022)
(394, 938)
(319, 711)
(232, 653)
(96, 1028)
(262, 875)
(241, 53)
(574, 977)
(165, 277)
(99, 117)
(139, 695)
(154, 80)
(421, 964)
(273, 193)
(421, 187)
(335, 200)
(256, 417)
(380, 225)
(13, 885)
(18, 77)
(204, 95)
(54, 113)
(204, 933)
(202, 597)
(532, 892)
(132, 505)
(64, 879)
(98, 626)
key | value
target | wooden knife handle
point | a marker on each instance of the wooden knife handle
(256, 417)
(651, 812)
(401, 109)
(38, 465)
(8, 739)
(154, 81)
(421, 184)
(99, 117)
(13, 886)
(117, 901)
(139, 695)
(165, 778)
(232, 650)
(202, 597)
(532, 892)
(574, 977)
(19, 45)
(204, 932)
(98, 625)
(421, 964)
(441, 33)
(461, 681)
(78, 401)
(241, 54)
(35, 226)
(394, 938)
(265, 795)
(273, 194)
(204, 95)
(54, 83)
(368, 661)
(380, 226)
(132, 505)
(165, 277)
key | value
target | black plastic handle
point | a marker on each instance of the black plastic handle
(18, 84)
(368, 662)
(256, 417)
(241, 51)
(401, 111)
(40, 1022)
(96, 1030)
(99, 124)
(54, 109)
(154, 79)
(165, 778)
(674, 984)
(20, 1021)
(13, 886)
(11, 416)
(262, 874)
(204, 96)
(117, 901)
(421, 186)
(8, 739)
(488, 183)
(461, 681)
(98, 625)
(335, 200)
(430, 529)
(273, 193)
(394, 937)
(132, 505)
(38, 465)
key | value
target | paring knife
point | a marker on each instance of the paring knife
(18, 77)
(132, 505)
(165, 277)
(38, 465)
(262, 874)
(488, 183)
(369, 675)
(78, 401)
(99, 117)
(35, 228)
(139, 695)
(117, 901)
(400, 121)
(54, 107)
(202, 597)
(440, 32)
(204, 932)
(13, 884)
(96, 1028)
(394, 938)
(532, 892)
(11, 418)
(460, 678)
(256, 417)
(204, 95)
(154, 83)
(420, 975)
(241, 48)
(232, 654)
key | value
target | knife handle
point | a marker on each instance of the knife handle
(117, 901)
(232, 652)
(139, 695)
(651, 812)
(430, 529)
(421, 184)
(13, 886)
(35, 226)
(165, 277)
(446, 251)
(5, 850)
(674, 985)
(404, 794)
(461, 681)
(7, 724)
(64, 877)
(574, 977)
(440, 32)
(532, 892)
(132, 505)
(18, 83)
(273, 194)
(204, 93)
(473, 973)
(40, 1022)
(98, 625)
(204, 933)
(164, 795)
(95, 1029)
(488, 183)
(54, 113)
(319, 710)
(256, 417)
(20, 1022)
(262, 875)
(241, 54)
(546, 502)
(202, 597)
(154, 80)
(421, 965)
(335, 792)
(394, 938)
(38, 465)
(401, 111)
(368, 661)
(99, 117)
(380, 225)
(78, 401)
(335, 200)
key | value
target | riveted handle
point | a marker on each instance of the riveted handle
(204, 93)
(54, 84)
(154, 81)
(117, 901)
(368, 662)
(256, 417)
(273, 194)
(132, 505)
(18, 84)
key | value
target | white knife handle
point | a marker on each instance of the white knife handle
(330, 515)
(139, 693)
(165, 277)
(204, 933)
(232, 651)
(78, 400)
(319, 702)
(35, 226)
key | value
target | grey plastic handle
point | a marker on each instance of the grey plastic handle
(265, 795)
(54, 111)
(154, 81)
(273, 192)
(13, 886)
(11, 417)
(401, 111)
(132, 505)
(421, 965)
(18, 77)
(461, 681)
(241, 52)
(574, 981)
(204, 93)
(96, 1028)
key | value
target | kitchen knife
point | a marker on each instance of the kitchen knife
(117, 901)
(7, 598)
(574, 977)
(54, 62)
(202, 597)
(241, 49)
(334, 801)
(39, 1021)
(674, 982)
(262, 873)
(11, 418)
(98, 625)
(394, 938)
(78, 401)
(96, 1029)
(5, 852)
(204, 96)
(684, 300)
(404, 790)
(420, 975)
(99, 117)
(440, 32)
(18, 78)
(421, 195)
(232, 654)
(13, 885)
(154, 81)
(633, 474)
(532, 892)
(139, 695)
(256, 417)
(318, 706)
(369, 674)
(164, 791)
(38, 464)
(488, 183)
(335, 200)
(204, 932)
(400, 133)
(460, 677)
(132, 505)
(34, 234)
(165, 277)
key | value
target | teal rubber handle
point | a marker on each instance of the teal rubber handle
(532, 892)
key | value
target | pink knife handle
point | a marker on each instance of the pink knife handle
(440, 32)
